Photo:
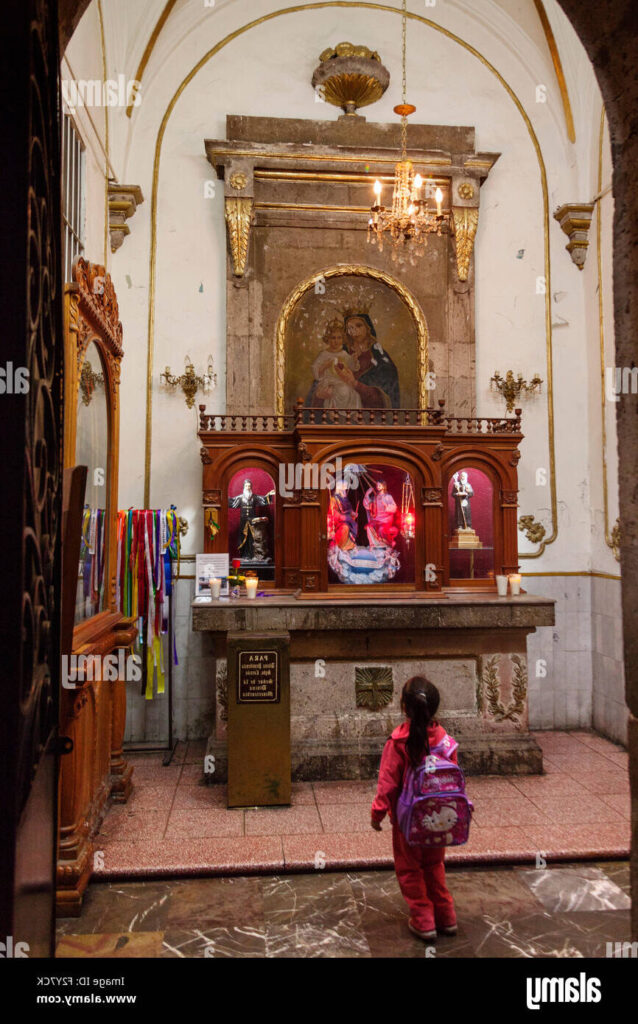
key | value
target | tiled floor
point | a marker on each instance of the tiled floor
(566, 910)
(174, 825)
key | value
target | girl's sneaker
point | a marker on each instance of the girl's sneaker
(447, 929)
(428, 936)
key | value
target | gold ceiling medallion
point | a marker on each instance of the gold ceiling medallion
(239, 215)
(349, 50)
(350, 77)
(465, 219)
(511, 388)
(345, 270)
(412, 216)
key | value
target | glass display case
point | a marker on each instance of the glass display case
(470, 506)
(371, 526)
(251, 521)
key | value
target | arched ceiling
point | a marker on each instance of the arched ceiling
(535, 19)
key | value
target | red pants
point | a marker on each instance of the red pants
(421, 876)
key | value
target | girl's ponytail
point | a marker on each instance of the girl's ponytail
(420, 701)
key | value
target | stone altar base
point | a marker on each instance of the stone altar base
(350, 659)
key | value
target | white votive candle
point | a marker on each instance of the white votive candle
(215, 588)
(515, 584)
(501, 586)
(251, 588)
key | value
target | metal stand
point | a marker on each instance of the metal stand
(151, 748)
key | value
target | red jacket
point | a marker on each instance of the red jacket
(394, 762)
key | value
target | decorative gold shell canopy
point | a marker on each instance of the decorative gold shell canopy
(350, 77)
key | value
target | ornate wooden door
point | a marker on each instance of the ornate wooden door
(30, 432)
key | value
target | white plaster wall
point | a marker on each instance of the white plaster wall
(266, 71)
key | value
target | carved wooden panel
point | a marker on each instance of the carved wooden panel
(31, 480)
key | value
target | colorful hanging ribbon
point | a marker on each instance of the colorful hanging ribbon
(147, 546)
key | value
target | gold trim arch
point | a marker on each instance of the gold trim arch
(348, 270)
(322, 5)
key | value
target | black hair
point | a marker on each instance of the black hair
(420, 701)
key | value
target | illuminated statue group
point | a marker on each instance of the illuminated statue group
(376, 562)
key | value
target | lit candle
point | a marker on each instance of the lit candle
(501, 586)
(418, 182)
(438, 195)
(377, 190)
(251, 587)
(215, 585)
(515, 584)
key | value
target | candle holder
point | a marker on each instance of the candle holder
(189, 382)
(511, 388)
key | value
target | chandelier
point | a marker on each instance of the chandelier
(412, 216)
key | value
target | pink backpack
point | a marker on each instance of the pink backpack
(433, 809)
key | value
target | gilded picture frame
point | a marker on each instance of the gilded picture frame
(317, 281)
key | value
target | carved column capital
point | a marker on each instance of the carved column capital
(465, 219)
(123, 202)
(239, 215)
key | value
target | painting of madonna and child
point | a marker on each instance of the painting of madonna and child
(351, 345)
(371, 526)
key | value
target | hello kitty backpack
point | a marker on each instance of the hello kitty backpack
(433, 809)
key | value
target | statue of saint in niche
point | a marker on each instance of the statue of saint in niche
(377, 561)
(381, 508)
(344, 518)
(463, 492)
(254, 543)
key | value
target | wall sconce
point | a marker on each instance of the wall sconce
(190, 382)
(510, 387)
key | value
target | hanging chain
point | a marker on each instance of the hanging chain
(404, 120)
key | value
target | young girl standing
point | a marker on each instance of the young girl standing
(420, 870)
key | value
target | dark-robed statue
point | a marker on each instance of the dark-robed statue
(253, 529)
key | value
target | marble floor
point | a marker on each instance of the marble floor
(565, 910)
(173, 825)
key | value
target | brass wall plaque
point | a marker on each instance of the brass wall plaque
(259, 762)
(258, 677)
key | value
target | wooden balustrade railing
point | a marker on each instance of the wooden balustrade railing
(314, 416)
